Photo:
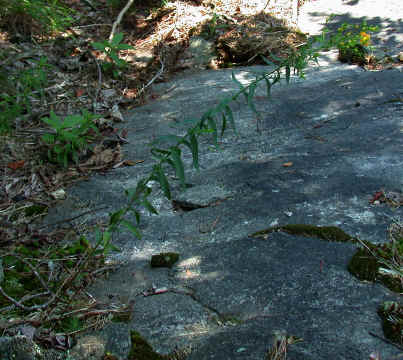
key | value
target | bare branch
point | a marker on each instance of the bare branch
(119, 19)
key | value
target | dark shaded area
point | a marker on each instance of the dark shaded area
(352, 2)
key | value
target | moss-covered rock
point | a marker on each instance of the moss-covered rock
(141, 349)
(329, 233)
(367, 261)
(167, 259)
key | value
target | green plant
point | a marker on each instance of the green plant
(212, 26)
(35, 16)
(70, 137)
(31, 82)
(207, 124)
(111, 49)
(353, 42)
(18, 92)
(10, 109)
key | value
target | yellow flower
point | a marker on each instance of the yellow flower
(365, 38)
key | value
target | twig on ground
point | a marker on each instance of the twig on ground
(23, 299)
(23, 307)
(159, 73)
(34, 271)
(59, 222)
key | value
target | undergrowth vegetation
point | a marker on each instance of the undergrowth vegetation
(34, 17)
(43, 285)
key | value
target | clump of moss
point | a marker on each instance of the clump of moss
(367, 261)
(141, 349)
(167, 259)
(35, 210)
(109, 356)
(391, 314)
(329, 233)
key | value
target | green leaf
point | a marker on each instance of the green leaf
(191, 145)
(124, 47)
(280, 60)
(251, 95)
(114, 57)
(73, 120)
(224, 124)
(129, 226)
(149, 207)
(110, 247)
(137, 215)
(65, 159)
(115, 217)
(277, 78)
(228, 112)
(204, 117)
(195, 149)
(141, 187)
(48, 139)
(213, 126)
(135, 212)
(99, 46)
(116, 39)
(53, 121)
(163, 181)
(267, 61)
(287, 73)
(160, 153)
(268, 87)
(106, 238)
(178, 164)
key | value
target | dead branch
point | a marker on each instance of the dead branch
(119, 19)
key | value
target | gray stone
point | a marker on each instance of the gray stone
(200, 53)
(20, 347)
(113, 339)
(316, 154)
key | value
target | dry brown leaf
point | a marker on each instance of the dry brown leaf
(16, 165)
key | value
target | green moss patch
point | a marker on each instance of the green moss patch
(35, 210)
(329, 233)
(167, 259)
(141, 349)
(365, 264)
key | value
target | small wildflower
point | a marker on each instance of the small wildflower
(365, 38)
